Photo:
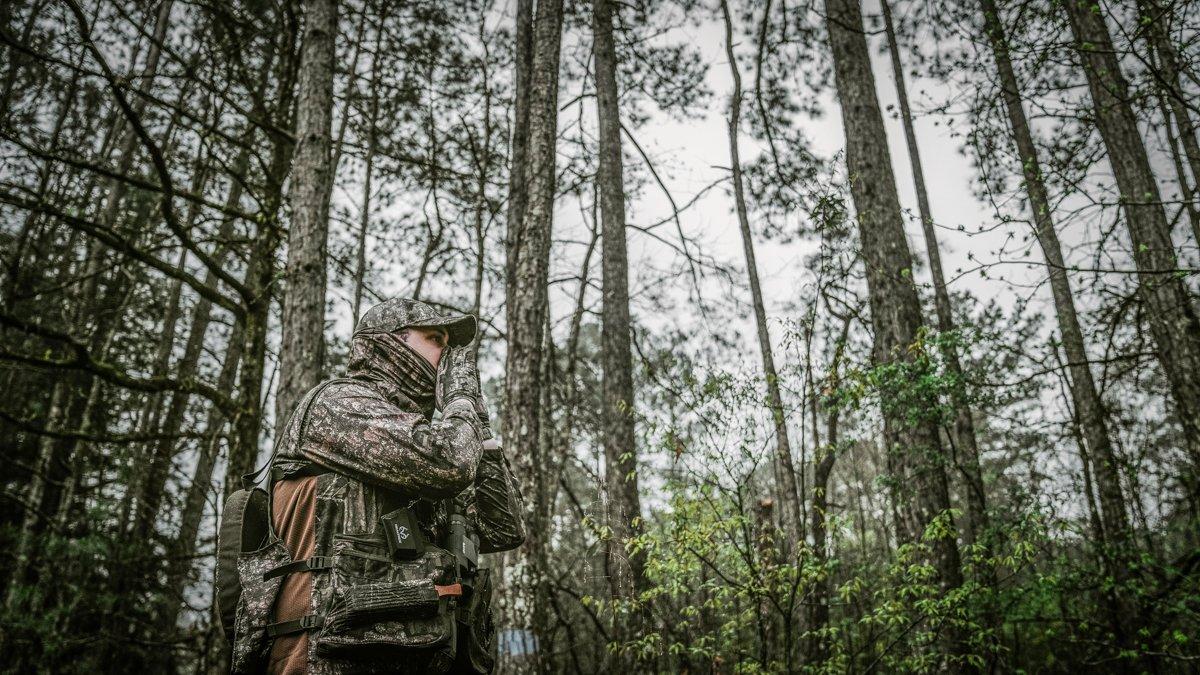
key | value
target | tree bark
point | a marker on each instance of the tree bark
(302, 350)
(627, 573)
(784, 469)
(145, 492)
(360, 263)
(15, 58)
(817, 646)
(12, 281)
(519, 144)
(164, 449)
(339, 139)
(1158, 39)
(183, 549)
(967, 447)
(1169, 305)
(921, 485)
(1186, 190)
(1092, 419)
(260, 273)
(527, 269)
(35, 497)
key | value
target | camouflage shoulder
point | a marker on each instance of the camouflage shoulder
(344, 387)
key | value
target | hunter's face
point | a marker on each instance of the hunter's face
(428, 342)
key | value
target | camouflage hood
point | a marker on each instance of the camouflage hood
(380, 356)
(400, 373)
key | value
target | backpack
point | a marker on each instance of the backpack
(244, 528)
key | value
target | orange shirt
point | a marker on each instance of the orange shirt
(293, 512)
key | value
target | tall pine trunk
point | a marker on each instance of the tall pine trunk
(302, 351)
(360, 243)
(1155, 21)
(966, 448)
(784, 469)
(1169, 305)
(626, 571)
(1092, 419)
(260, 270)
(910, 434)
(527, 270)
(816, 648)
(183, 548)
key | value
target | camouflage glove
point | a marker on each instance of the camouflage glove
(457, 389)
(485, 419)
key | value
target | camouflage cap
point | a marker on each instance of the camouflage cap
(392, 315)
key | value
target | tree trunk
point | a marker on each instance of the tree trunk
(817, 647)
(339, 139)
(1169, 305)
(913, 444)
(360, 265)
(1085, 397)
(767, 552)
(13, 57)
(260, 274)
(243, 451)
(1158, 39)
(784, 470)
(527, 269)
(35, 494)
(148, 485)
(183, 551)
(518, 147)
(967, 446)
(164, 448)
(9, 298)
(302, 350)
(1186, 190)
(627, 573)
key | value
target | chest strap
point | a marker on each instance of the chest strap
(304, 623)
(316, 563)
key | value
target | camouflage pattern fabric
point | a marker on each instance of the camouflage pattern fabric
(457, 378)
(392, 315)
(353, 430)
(476, 627)
(492, 500)
(250, 644)
(375, 449)
(365, 583)
(409, 373)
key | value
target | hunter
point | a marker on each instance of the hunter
(382, 509)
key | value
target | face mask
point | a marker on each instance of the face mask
(385, 357)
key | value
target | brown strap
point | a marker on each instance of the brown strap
(452, 590)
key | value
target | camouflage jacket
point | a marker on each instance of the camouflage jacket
(375, 450)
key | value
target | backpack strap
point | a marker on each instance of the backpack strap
(317, 563)
(244, 527)
(304, 623)
(250, 479)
